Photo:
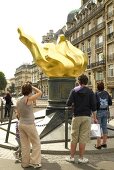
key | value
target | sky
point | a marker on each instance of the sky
(36, 18)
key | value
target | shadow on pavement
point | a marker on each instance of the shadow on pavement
(46, 165)
(87, 166)
(7, 164)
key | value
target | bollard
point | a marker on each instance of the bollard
(9, 124)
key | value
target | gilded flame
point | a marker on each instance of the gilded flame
(56, 60)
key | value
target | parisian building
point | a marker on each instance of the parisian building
(91, 29)
(39, 79)
(22, 75)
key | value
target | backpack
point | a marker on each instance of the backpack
(102, 100)
(103, 103)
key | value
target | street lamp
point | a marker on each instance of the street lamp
(41, 73)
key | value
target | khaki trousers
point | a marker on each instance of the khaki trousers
(29, 136)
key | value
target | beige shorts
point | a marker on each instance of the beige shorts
(80, 129)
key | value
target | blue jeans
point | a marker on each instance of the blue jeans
(102, 120)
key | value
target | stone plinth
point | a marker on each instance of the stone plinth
(59, 89)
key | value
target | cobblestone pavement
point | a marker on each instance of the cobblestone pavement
(57, 162)
(6, 154)
(96, 161)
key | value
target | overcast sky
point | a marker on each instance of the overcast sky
(36, 17)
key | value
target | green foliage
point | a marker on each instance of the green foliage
(3, 81)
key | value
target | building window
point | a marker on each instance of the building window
(99, 39)
(99, 76)
(89, 43)
(99, 57)
(110, 49)
(111, 70)
(89, 11)
(77, 34)
(99, 20)
(83, 16)
(89, 46)
(73, 36)
(83, 47)
(83, 30)
(89, 26)
(110, 10)
(89, 60)
(110, 28)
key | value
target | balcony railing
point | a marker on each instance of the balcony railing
(110, 79)
(95, 11)
(99, 45)
(98, 63)
(88, 33)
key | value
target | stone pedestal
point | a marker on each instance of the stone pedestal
(59, 89)
(58, 92)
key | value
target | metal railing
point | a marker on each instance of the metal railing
(66, 127)
(6, 121)
(9, 124)
(67, 110)
(67, 118)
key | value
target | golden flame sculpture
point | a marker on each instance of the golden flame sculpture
(56, 60)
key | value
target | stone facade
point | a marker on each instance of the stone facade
(91, 29)
(22, 74)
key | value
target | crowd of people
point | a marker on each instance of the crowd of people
(88, 107)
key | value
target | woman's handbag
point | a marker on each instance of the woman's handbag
(95, 130)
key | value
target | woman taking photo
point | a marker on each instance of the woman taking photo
(28, 132)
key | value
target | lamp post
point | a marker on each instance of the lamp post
(41, 73)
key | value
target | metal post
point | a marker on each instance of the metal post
(41, 73)
(66, 127)
(1, 111)
(9, 124)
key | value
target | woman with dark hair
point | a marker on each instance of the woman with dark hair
(27, 129)
(8, 104)
(103, 102)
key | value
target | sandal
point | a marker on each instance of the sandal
(98, 147)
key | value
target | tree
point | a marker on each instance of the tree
(3, 81)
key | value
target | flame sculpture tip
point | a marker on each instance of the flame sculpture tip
(60, 60)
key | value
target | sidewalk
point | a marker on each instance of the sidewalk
(54, 153)
(54, 158)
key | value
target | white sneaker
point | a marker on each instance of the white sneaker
(70, 159)
(83, 160)
(36, 165)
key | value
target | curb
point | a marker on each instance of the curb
(8, 147)
(87, 152)
(63, 152)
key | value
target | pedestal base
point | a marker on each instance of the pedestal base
(59, 89)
